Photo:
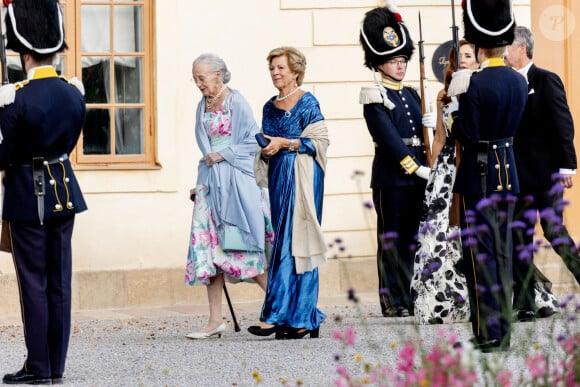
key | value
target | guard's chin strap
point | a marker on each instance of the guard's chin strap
(386, 101)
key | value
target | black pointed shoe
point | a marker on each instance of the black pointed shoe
(25, 377)
(526, 315)
(259, 331)
(545, 311)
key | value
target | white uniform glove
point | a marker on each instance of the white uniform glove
(429, 119)
(423, 172)
(7, 94)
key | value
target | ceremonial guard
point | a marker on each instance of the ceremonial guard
(40, 120)
(488, 116)
(392, 112)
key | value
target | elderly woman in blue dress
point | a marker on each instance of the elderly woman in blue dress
(231, 231)
(292, 167)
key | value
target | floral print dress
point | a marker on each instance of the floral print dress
(206, 258)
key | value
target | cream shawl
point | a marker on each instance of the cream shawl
(308, 245)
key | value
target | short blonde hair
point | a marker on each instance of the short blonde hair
(296, 60)
(495, 52)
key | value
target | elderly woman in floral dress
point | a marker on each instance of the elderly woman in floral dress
(231, 232)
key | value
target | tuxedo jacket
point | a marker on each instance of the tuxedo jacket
(44, 121)
(395, 162)
(544, 142)
(490, 110)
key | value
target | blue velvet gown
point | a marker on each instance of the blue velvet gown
(291, 298)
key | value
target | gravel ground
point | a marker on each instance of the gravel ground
(152, 351)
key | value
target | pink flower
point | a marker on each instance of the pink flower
(504, 378)
(336, 334)
(349, 336)
(406, 354)
(341, 370)
(536, 365)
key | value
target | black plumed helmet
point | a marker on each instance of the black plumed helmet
(383, 35)
(35, 27)
(488, 23)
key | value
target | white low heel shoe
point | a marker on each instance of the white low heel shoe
(206, 335)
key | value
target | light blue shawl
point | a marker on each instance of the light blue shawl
(234, 196)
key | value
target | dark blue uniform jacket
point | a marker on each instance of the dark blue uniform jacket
(45, 120)
(490, 110)
(388, 128)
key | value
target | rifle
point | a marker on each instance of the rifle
(5, 244)
(3, 66)
(425, 106)
(454, 32)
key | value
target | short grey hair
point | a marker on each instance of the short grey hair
(523, 35)
(216, 63)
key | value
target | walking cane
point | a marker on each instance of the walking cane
(236, 325)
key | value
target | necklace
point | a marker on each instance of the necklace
(287, 95)
(210, 102)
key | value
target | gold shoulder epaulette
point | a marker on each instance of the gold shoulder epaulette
(21, 84)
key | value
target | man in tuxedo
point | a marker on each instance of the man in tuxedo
(546, 163)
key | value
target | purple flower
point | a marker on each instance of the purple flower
(559, 241)
(511, 198)
(389, 236)
(338, 240)
(480, 288)
(481, 257)
(525, 255)
(482, 229)
(557, 177)
(484, 203)
(368, 205)
(470, 216)
(561, 337)
(470, 242)
(518, 224)
(561, 204)
(531, 216)
(388, 246)
(496, 288)
(467, 232)
(556, 190)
